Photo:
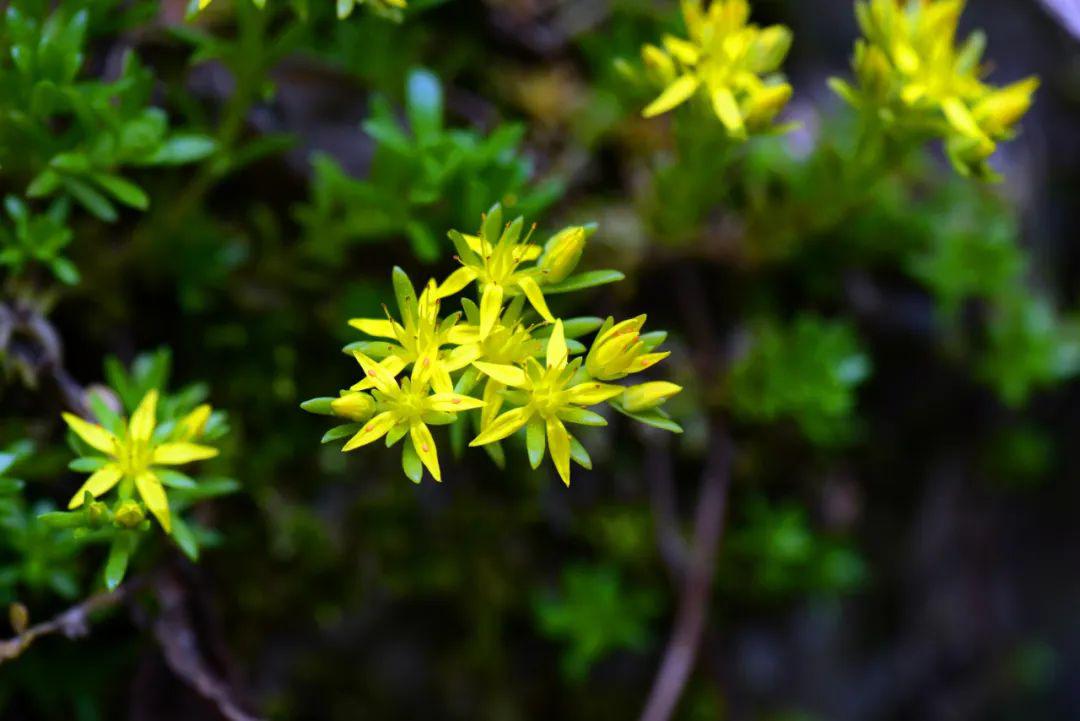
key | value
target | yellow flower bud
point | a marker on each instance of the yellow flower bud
(354, 406)
(129, 514)
(648, 395)
(763, 106)
(562, 253)
(97, 513)
(1002, 109)
(618, 351)
(19, 617)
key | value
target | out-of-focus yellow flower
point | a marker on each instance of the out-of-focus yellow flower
(133, 455)
(619, 350)
(552, 395)
(562, 254)
(911, 75)
(725, 59)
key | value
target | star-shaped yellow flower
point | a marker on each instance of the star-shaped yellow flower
(132, 456)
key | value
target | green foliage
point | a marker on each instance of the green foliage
(595, 614)
(37, 239)
(806, 372)
(774, 554)
(424, 178)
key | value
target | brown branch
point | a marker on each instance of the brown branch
(73, 623)
(174, 631)
(682, 648)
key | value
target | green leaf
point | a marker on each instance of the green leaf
(424, 104)
(175, 479)
(182, 148)
(123, 190)
(119, 555)
(591, 279)
(341, 431)
(654, 417)
(535, 440)
(185, 539)
(87, 464)
(93, 201)
(318, 406)
(410, 462)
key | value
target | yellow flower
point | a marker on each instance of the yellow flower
(493, 259)
(420, 337)
(912, 76)
(730, 62)
(551, 395)
(408, 408)
(648, 395)
(620, 350)
(133, 455)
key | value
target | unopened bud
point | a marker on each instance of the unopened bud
(129, 514)
(648, 395)
(562, 253)
(19, 617)
(354, 406)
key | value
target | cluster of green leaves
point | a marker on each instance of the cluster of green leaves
(774, 553)
(423, 178)
(594, 613)
(807, 372)
(35, 559)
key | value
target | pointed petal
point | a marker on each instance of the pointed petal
(92, 433)
(377, 327)
(557, 352)
(536, 296)
(727, 109)
(144, 417)
(461, 356)
(490, 307)
(675, 94)
(456, 281)
(192, 425)
(559, 448)
(392, 364)
(453, 402)
(372, 431)
(98, 483)
(591, 392)
(424, 445)
(175, 454)
(503, 426)
(153, 495)
(379, 375)
(505, 374)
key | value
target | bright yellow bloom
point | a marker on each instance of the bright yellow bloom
(619, 350)
(912, 77)
(729, 61)
(648, 395)
(552, 394)
(408, 408)
(133, 455)
(493, 259)
(420, 337)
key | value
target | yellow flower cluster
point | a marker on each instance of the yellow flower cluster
(729, 62)
(500, 364)
(912, 76)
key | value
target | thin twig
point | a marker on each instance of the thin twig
(72, 623)
(692, 612)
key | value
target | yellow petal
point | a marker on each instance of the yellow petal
(98, 483)
(961, 118)
(373, 430)
(558, 441)
(557, 352)
(96, 436)
(391, 364)
(675, 94)
(193, 423)
(461, 356)
(463, 334)
(536, 296)
(453, 402)
(591, 393)
(379, 375)
(490, 308)
(379, 328)
(505, 374)
(727, 109)
(143, 419)
(456, 281)
(503, 426)
(154, 497)
(175, 454)
(424, 445)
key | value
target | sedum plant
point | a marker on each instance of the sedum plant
(503, 362)
(725, 60)
(913, 79)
